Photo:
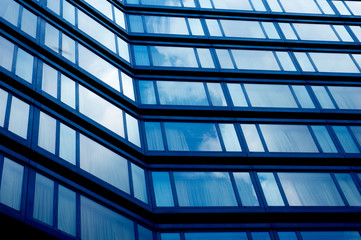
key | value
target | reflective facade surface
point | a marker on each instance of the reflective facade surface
(180, 119)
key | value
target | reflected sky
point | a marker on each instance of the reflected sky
(173, 56)
(166, 25)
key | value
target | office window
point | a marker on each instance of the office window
(232, 4)
(216, 235)
(270, 189)
(10, 11)
(216, 94)
(300, 6)
(104, 163)
(170, 236)
(173, 57)
(144, 233)
(287, 236)
(315, 32)
(237, 95)
(331, 235)
(147, 93)
(132, 129)
(245, 189)
(349, 188)
(3, 104)
(7, 49)
(67, 143)
(288, 138)
(303, 96)
(139, 183)
(252, 138)
(230, 138)
(345, 139)
(29, 22)
(310, 189)
(19, 117)
(11, 184)
(43, 199)
(333, 62)
(166, 25)
(324, 139)
(323, 97)
(204, 189)
(260, 236)
(154, 137)
(24, 65)
(346, 97)
(255, 60)
(162, 189)
(242, 29)
(47, 132)
(192, 136)
(67, 210)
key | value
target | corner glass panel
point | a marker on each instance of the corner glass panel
(153, 133)
(123, 49)
(132, 129)
(192, 137)
(119, 17)
(173, 56)
(182, 93)
(310, 189)
(246, 189)
(270, 189)
(324, 139)
(94, 217)
(252, 138)
(43, 199)
(139, 183)
(216, 94)
(267, 95)
(7, 53)
(230, 138)
(24, 65)
(141, 55)
(255, 60)
(331, 235)
(11, 184)
(67, 143)
(202, 189)
(162, 189)
(104, 163)
(349, 189)
(47, 132)
(288, 138)
(19, 117)
(67, 211)
(345, 139)
(136, 23)
(127, 84)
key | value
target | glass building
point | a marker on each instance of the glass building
(180, 119)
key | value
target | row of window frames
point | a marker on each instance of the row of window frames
(231, 137)
(49, 202)
(264, 189)
(265, 30)
(59, 139)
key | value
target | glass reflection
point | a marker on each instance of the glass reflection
(173, 57)
(166, 25)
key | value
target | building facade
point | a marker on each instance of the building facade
(180, 119)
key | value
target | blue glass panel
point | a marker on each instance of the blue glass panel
(141, 55)
(153, 133)
(7, 52)
(29, 23)
(3, 104)
(147, 94)
(204, 189)
(43, 199)
(170, 236)
(192, 137)
(136, 23)
(349, 188)
(242, 29)
(245, 189)
(287, 236)
(144, 233)
(324, 139)
(166, 25)
(345, 139)
(139, 183)
(216, 236)
(255, 60)
(331, 235)
(162, 189)
(173, 56)
(10, 11)
(67, 211)
(260, 236)
(270, 189)
(24, 65)
(346, 97)
(216, 94)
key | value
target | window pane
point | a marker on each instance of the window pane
(216, 236)
(7, 50)
(310, 189)
(224, 59)
(132, 130)
(270, 189)
(3, 104)
(144, 233)
(287, 236)
(127, 84)
(136, 23)
(53, 5)
(230, 138)
(119, 17)
(245, 189)
(52, 36)
(242, 29)
(19, 117)
(49, 83)
(141, 55)
(43, 199)
(303, 97)
(236, 92)
(285, 61)
(162, 189)
(343, 33)
(304, 62)
(260, 236)
(300, 6)
(95, 216)
(29, 22)
(252, 138)
(24, 65)
(101, 111)
(182, 93)
(315, 32)
(173, 57)
(10, 11)
(166, 25)
(271, 30)
(67, 211)
(331, 235)
(267, 95)
(255, 60)
(123, 48)
(324, 139)
(346, 97)
(192, 137)
(196, 26)
(102, 6)
(355, 7)
(213, 28)
(288, 31)
(139, 183)
(288, 138)
(98, 67)
(232, 5)
(68, 48)
(69, 12)
(216, 94)
(323, 97)
(104, 163)
(349, 188)
(204, 189)
(67, 144)
(170, 236)
(147, 94)
(334, 62)
(47, 132)
(345, 139)
(356, 130)
(67, 88)
(153, 133)
(11, 184)
(205, 58)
